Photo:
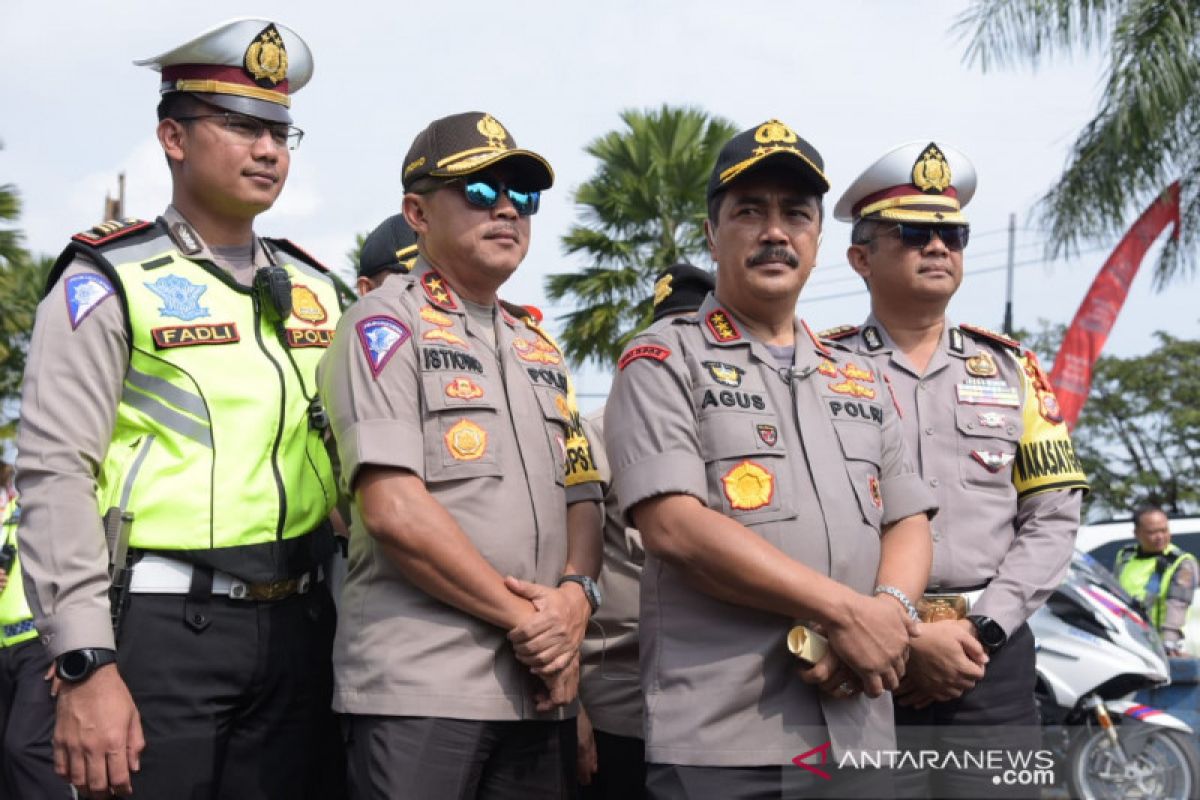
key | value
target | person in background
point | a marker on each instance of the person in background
(1159, 575)
(390, 249)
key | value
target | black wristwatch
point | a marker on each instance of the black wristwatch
(77, 665)
(990, 634)
(590, 590)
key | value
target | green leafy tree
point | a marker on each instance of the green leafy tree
(642, 211)
(22, 280)
(1138, 435)
(1145, 132)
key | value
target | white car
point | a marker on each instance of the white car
(1104, 540)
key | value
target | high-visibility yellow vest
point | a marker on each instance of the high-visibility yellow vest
(1141, 577)
(16, 621)
(213, 447)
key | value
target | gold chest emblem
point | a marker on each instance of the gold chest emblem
(931, 173)
(748, 486)
(982, 365)
(466, 441)
(266, 58)
(306, 306)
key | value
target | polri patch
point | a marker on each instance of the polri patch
(191, 335)
(83, 293)
(643, 351)
(320, 337)
(380, 337)
(180, 297)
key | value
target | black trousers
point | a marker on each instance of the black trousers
(679, 782)
(998, 714)
(432, 758)
(234, 696)
(27, 722)
(621, 768)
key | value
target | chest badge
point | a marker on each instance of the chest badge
(993, 462)
(464, 389)
(725, 374)
(439, 335)
(306, 306)
(987, 392)
(982, 365)
(992, 419)
(180, 297)
(435, 317)
(537, 351)
(873, 490)
(857, 373)
(827, 368)
(854, 389)
(748, 486)
(466, 441)
(768, 433)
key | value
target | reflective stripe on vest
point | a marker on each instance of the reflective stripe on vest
(16, 621)
(1140, 578)
(212, 446)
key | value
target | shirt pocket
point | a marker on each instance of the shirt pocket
(745, 481)
(862, 452)
(987, 446)
(556, 423)
(461, 427)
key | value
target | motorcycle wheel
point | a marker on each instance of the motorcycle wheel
(1167, 767)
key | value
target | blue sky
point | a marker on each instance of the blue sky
(854, 78)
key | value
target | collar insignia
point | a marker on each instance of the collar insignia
(380, 338)
(435, 289)
(956, 341)
(725, 374)
(186, 238)
(306, 306)
(722, 326)
(181, 297)
(871, 336)
(84, 292)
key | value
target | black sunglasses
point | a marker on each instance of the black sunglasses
(485, 193)
(955, 237)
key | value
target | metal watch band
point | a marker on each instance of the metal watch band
(909, 608)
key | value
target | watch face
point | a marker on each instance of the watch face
(74, 665)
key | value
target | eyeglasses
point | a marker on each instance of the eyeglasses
(248, 129)
(485, 193)
(918, 237)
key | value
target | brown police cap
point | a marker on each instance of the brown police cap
(462, 144)
(772, 144)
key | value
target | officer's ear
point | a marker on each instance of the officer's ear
(416, 212)
(173, 138)
(710, 236)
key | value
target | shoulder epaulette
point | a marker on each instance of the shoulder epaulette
(519, 312)
(838, 332)
(293, 249)
(998, 338)
(110, 231)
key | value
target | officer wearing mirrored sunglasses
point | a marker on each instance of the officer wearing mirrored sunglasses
(980, 417)
(169, 442)
(476, 536)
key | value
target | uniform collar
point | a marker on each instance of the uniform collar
(188, 241)
(434, 287)
(954, 344)
(722, 329)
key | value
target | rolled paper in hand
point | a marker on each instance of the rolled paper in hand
(807, 645)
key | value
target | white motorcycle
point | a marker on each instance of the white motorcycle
(1094, 651)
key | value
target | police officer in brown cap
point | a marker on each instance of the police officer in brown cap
(766, 472)
(390, 249)
(476, 534)
(977, 413)
(170, 392)
(612, 746)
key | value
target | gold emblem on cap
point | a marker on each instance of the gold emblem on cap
(662, 289)
(774, 131)
(931, 173)
(266, 58)
(466, 441)
(490, 128)
(748, 486)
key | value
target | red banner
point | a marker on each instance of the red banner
(1072, 373)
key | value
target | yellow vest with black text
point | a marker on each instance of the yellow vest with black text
(1135, 574)
(16, 621)
(213, 446)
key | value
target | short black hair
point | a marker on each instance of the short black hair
(1143, 510)
(178, 104)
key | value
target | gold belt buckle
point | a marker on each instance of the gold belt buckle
(275, 590)
(939, 607)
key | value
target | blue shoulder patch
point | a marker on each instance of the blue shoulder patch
(181, 297)
(83, 293)
(381, 337)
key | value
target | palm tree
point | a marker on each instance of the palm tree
(1145, 132)
(642, 211)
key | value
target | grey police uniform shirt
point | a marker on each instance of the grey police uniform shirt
(609, 682)
(411, 382)
(73, 382)
(812, 460)
(965, 442)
